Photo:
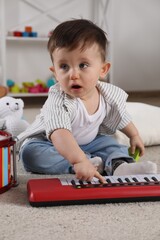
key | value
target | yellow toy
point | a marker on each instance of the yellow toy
(135, 155)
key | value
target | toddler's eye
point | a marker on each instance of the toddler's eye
(65, 67)
(83, 65)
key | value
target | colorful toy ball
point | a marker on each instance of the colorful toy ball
(10, 83)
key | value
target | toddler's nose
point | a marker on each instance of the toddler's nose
(74, 74)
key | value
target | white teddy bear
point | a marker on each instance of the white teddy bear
(11, 113)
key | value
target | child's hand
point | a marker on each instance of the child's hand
(86, 171)
(136, 142)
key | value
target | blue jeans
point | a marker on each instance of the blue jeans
(40, 156)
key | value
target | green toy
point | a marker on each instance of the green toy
(15, 89)
(135, 155)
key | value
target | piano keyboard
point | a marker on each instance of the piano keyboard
(114, 181)
(65, 191)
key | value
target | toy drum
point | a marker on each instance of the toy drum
(8, 172)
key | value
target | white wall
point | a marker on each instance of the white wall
(28, 61)
(133, 27)
(55, 11)
(135, 41)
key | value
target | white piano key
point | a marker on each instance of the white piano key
(130, 178)
(69, 181)
(141, 178)
(112, 179)
(133, 177)
(85, 182)
(92, 181)
(63, 181)
(96, 180)
(149, 176)
(77, 181)
(122, 178)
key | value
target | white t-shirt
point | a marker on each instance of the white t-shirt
(85, 127)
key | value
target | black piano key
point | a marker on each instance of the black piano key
(120, 180)
(73, 182)
(127, 180)
(147, 179)
(156, 180)
(81, 182)
(136, 182)
(135, 179)
(108, 180)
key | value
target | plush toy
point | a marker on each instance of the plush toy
(11, 113)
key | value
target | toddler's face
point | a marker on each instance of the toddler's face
(78, 71)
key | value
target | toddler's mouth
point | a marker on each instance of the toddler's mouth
(76, 86)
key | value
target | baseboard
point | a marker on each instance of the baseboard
(144, 94)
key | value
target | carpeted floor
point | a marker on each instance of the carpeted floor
(130, 221)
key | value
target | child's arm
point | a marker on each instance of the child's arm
(135, 140)
(66, 145)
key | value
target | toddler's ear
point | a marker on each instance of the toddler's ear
(105, 70)
(52, 69)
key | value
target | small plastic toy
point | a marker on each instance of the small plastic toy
(135, 155)
(10, 83)
(50, 82)
(28, 29)
(38, 86)
(26, 33)
(17, 34)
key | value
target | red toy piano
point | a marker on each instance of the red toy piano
(64, 191)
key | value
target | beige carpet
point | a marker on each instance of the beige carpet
(123, 221)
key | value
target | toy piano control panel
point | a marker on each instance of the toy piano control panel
(65, 191)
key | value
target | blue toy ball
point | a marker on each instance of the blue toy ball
(10, 83)
(50, 82)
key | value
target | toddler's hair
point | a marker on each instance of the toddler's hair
(79, 32)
